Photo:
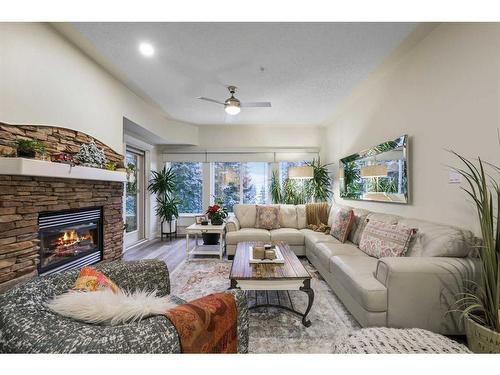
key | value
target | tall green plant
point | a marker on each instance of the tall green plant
(167, 207)
(163, 184)
(352, 187)
(482, 302)
(319, 187)
(276, 193)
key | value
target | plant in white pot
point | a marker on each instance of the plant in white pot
(481, 302)
(163, 184)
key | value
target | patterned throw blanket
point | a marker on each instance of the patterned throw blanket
(317, 217)
(207, 325)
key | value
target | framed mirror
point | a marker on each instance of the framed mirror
(377, 174)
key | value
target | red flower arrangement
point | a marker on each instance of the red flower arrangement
(216, 214)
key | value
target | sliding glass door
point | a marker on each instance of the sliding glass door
(134, 198)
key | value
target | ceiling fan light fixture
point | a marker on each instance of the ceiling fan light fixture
(232, 106)
(232, 109)
(146, 49)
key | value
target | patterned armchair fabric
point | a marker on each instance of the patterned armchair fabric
(27, 326)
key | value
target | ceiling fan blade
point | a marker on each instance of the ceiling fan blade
(209, 100)
(255, 104)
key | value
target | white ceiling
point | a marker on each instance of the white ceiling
(308, 67)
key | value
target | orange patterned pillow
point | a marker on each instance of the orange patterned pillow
(91, 280)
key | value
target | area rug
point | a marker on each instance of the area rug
(273, 330)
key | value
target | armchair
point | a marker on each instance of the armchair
(27, 326)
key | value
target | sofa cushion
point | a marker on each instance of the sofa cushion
(288, 216)
(291, 236)
(381, 239)
(301, 216)
(246, 214)
(311, 237)
(268, 217)
(359, 225)
(437, 240)
(342, 224)
(356, 274)
(325, 250)
(334, 209)
(247, 234)
(385, 218)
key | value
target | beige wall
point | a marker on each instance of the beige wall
(45, 80)
(445, 94)
(234, 136)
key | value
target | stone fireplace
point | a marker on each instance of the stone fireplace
(54, 216)
(69, 239)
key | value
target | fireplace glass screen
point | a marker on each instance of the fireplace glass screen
(68, 242)
(67, 237)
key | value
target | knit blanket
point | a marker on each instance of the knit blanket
(207, 325)
(317, 217)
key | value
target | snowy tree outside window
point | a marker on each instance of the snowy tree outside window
(236, 182)
(189, 188)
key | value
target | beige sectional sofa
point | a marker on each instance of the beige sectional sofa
(416, 290)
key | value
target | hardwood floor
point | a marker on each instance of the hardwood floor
(171, 252)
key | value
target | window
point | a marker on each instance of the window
(255, 182)
(236, 182)
(227, 183)
(286, 165)
(189, 186)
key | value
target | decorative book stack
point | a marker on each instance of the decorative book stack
(265, 254)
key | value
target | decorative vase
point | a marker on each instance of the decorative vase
(210, 238)
(481, 339)
(169, 227)
(217, 222)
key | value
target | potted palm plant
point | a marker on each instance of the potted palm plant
(163, 184)
(319, 187)
(480, 303)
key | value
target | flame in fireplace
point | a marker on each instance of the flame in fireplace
(71, 237)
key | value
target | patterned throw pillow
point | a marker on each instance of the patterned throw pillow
(342, 224)
(268, 217)
(91, 280)
(381, 239)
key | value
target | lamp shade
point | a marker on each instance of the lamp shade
(301, 173)
(379, 170)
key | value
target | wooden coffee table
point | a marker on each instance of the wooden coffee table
(272, 277)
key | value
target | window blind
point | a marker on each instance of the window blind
(268, 157)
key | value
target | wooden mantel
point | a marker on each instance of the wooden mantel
(40, 168)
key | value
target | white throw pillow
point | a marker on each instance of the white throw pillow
(106, 307)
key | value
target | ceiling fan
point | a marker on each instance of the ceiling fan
(232, 106)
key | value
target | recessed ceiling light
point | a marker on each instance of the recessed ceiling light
(146, 49)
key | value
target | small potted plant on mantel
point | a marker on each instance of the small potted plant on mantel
(480, 304)
(216, 214)
(29, 148)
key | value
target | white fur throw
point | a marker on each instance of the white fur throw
(106, 307)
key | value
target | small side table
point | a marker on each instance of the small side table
(198, 229)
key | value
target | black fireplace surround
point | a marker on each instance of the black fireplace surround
(70, 239)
